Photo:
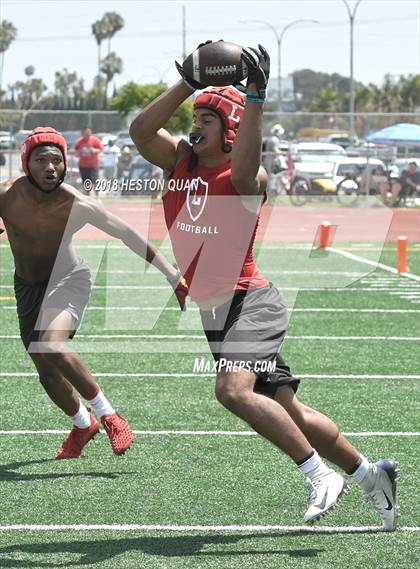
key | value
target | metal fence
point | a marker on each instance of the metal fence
(13, 120)
(16, 122)
(364, 123)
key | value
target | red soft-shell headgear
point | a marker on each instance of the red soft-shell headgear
(42, 135)
(229, 104)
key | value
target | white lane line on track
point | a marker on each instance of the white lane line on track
(212, 375)
(183, 433)
(201, 528)
(202, 337)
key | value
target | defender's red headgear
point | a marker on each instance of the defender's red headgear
(229, 104)
(43, 135)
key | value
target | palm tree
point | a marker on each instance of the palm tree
(64, 81)
(110, 65)
(113, 23)
(100, 31)
(28, 92)
(8, 33)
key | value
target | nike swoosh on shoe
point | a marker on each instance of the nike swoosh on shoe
(388, 502)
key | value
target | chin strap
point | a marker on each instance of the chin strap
(38, 187)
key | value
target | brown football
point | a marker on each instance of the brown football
(217, 63)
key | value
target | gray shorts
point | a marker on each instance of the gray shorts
(251, 329)
(70, 292)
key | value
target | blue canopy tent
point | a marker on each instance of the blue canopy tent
(401, 134)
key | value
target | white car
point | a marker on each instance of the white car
(354, 166)
(316, 159)
(6, 139)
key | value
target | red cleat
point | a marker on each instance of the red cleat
(75, 442)
(118, 431)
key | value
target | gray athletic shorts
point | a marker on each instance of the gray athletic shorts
(70, 292)
(251, 329)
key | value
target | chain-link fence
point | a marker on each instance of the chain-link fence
(15, 124)
(364, 123)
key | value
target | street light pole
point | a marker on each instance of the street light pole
(352, 17)
(279, 39)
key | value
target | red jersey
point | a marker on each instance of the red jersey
(86, 158)
(212, 229)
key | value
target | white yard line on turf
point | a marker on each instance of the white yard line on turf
(373, 288)
(195, 309)
(167, 433)
(212, 375)
(354, 257)
(140, 273)
(202, 337)
(200, 528)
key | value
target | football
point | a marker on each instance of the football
(216, 64)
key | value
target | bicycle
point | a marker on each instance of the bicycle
(303, 190)
(349, 189)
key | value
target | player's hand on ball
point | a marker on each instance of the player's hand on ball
(189, 81)
(258, 64)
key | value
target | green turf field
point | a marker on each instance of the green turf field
(198, 489)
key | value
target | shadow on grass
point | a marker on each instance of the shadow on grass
(8, 472)
(93, 552)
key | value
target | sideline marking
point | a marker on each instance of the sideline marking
(212, 375)
(372, 263)
(209, 433)
(202, 337)
(207, 528)
(291, 310)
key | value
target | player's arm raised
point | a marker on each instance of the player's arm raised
(248, 176)
(152, 140)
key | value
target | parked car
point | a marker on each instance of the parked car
(71, 137)
(19, 137)
(341, 138)
(400, 164)
(105, 137)
(124, 139)
(123, 142)
(315, 160)
(354, 166)
(6, 140)
(382, 151)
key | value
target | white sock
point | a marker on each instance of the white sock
(81, 419)
(360, 475)
(100, 405)
(314, 466)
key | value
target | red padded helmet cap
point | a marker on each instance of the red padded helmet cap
(228, 103)
(42, 135)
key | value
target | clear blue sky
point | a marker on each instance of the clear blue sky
(53, 34)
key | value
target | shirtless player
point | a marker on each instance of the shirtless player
(52, 284)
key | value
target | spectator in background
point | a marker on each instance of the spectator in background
(110, 156)
(87, 149)
(380, 183)
(273, 161)
(124, 162)
(406, 185)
